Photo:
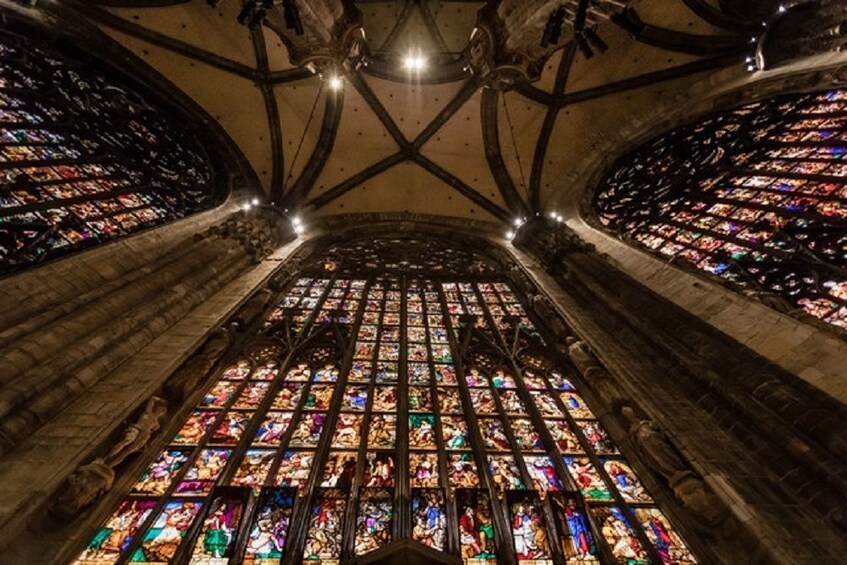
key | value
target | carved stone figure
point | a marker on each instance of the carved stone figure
(185, 380)
(695, 494)
(82, 487)
(580, 355)
(654, 445)
(688, 487)
(545, 310)
(138, 434)
(604, 385)
(252, 309)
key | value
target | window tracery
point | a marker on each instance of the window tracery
(407, 405)
(84, 157)
(756, 196)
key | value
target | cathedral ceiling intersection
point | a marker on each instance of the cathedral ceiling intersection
(486, 131)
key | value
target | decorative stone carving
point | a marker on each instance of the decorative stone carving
(251, 309)
(663, 458)
(605, 386)
(259, 231)
(505, 47)
(772, 300)
(283, 275)
(137, 435)
(82, 487)
(545, 310)
(580, 354)
(332, 38)
(185, 380)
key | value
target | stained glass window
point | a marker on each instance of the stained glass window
(756, 196)
(397, 403)
(85, 157)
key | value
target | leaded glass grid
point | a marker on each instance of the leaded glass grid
(756, 196)
(405, 425)
(85, 155)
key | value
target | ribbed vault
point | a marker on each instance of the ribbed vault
(439, 143)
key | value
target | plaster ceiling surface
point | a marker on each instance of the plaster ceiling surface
(475, 152)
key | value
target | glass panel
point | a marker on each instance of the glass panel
(529, 529)
(373, 522)
(429, 520)
(326, 521)
(269, 529)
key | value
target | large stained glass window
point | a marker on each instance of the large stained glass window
(756, 196)
(384, 401)
(84, 156)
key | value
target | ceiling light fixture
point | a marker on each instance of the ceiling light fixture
(414, 62)
(335, 83)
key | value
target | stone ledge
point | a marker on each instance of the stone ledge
(25, 478)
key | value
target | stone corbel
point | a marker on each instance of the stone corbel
(183, 382)
(91, 481)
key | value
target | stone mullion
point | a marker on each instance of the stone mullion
(504, 417)
(537, 420)
(502, 531)
(299, 524)
(36, 402)
(403, 496)
(34, 349)
(452, 545)
(349, 545)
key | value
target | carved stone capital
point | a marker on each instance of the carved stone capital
(505, 48)
(332, 38)
(259, 231)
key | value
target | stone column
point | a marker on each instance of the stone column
(62, 348)
(765, 449)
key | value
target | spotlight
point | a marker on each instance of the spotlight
(595, 40)
(553, 215)
(782, 9)
(553, 28)
(335, 83)
(751, 68)
(583, 46)
(246, 207)
(298, 229)
(510, 235)
(414, 63)
(255, 202)
(296, 221)
(517, 222)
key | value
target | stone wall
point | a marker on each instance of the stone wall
(106, 340)
(769, 446)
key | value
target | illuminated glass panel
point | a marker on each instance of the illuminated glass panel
(493, 454)
(755, 196)
(86, 155)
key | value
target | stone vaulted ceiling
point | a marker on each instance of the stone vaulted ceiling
(439, 143)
